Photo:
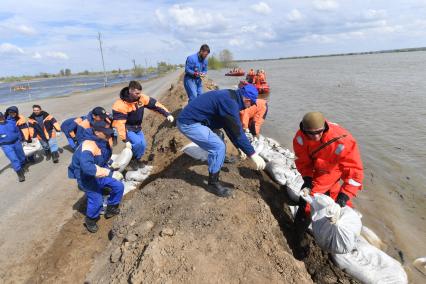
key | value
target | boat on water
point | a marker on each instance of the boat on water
(237, 72)
(20, 88)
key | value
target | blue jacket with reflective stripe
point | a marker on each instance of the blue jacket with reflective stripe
(9, 132)
(194, 63)
(219, 109)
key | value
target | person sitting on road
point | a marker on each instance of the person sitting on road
(11, 145)
(89, 166)
(73, 128)
(21, 122)
(45, 128)
(212, 111)
(128, 112)
(329, 161)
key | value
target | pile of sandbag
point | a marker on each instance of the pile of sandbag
(194, 151)
(31, 148)
(132, 178)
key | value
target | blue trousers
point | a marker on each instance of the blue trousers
(71, 142)
(137, 139)
(207, 140)
(94, 195)
(193, 87)
(51, 145)
(15, 153)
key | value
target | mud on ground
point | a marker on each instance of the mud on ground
(173, 230)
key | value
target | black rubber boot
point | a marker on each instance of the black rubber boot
(21, 175)
(55, 157)
(111, 211)
(301, 224)
(91, 224)
(47, 154)
(217, 188)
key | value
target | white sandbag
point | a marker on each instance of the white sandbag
(122, 160)
(335, 229)
(420, 264)
(31, 148)
(368, 264)
(194, 151)
(372, 238)
(130, 186)
(277, 170)
(294, 186)
(139, 175)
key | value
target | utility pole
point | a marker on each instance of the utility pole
(134, 64)
(103, 62)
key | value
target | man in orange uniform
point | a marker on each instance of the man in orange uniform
(127, 113)
(328, 158)
(44, 127)
(252, 118)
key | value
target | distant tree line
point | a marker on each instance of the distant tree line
(225, 59)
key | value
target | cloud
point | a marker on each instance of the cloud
(10, 49)
(372, 14)
(57, 55)
(36, 55)
(294, 15)
(262, 8)
(326, 5)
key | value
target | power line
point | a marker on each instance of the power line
(103, 62)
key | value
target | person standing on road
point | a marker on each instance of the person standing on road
(329, 161)
(11, 145)
(216, 110)
(45, 128)
(196, 68)
(128, 112)
(90, 167)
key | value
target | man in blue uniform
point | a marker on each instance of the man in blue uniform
(11, 145)
(216, 110)
(89, 166)
(195, 69)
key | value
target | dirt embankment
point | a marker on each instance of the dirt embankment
(173, 230)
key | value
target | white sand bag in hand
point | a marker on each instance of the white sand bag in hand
(139, 175)
(31, 148)
(130, 186)
(370, 265)
(194, 151)
(122, 160)
(335, 229)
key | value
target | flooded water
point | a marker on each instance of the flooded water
(381, 100)
(56, 87)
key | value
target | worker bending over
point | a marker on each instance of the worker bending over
(128, 113)
(89, 166)
(329, 161)
(216, 110)
(253, 117)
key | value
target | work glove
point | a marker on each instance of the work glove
(170, 118)
(24, 144)
(258, 161)
(117, 175)
(58, 133)
(129, 145)
(247, 130)
(196, 74)
(307, 182)
(243, 155)
(342, 199)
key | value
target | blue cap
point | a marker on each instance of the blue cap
(249, 91)
(103, 127)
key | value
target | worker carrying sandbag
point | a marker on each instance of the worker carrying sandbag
(90, 167)
(326, 154)
(252, 118)
(74, 127)
(213, 111)
(128, 113)
(11, 145)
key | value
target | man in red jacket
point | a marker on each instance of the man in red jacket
(329, 161)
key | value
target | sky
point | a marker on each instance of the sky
(49, 35)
